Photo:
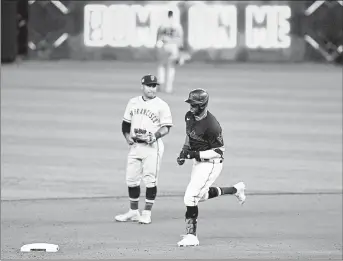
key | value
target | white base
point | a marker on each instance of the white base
(39, 247)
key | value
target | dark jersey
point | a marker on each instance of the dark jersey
(204, 134)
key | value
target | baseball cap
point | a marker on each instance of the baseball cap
(149, 80)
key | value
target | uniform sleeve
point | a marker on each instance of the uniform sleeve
(166, 116)
(127, 114)
(187, 116)
(215, 136)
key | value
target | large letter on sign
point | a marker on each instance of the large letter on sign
(212, 26)
(226, 33)
(267, 26)
(199, 29)
(120, 25)
(94, 33)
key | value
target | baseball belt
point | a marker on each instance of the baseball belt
(211, 160)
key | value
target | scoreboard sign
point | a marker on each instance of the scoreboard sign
(208, 25)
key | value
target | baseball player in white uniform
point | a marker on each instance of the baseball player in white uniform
(147, 119)
(205, 145)
(168, 44)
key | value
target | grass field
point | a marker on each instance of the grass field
(63, 162)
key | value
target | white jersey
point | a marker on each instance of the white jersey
(170, 32)
(147, 116)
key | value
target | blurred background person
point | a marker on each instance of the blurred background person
(168, 44)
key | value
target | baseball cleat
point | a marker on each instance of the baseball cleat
(188, 240)
(145, 218)
(240, 192)
(131, 215)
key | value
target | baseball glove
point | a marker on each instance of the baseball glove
(148, 138)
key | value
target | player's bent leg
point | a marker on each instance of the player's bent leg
(203, 176)
(214, 192)
(211, 193)
(238, 190)
(133, 213)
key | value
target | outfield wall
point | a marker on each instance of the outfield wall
(220, 31)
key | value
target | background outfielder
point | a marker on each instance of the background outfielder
(168, 44)
(204, 144)
(147, 119)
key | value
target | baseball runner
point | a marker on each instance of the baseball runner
(147, 119)
(204, 144)
(168, 44)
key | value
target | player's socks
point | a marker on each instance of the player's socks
(134, 193)
(228, 190)
(191, 226)
(148, 204)
(134, 203)
(161, 74)
(150, 196)
(191, 219)
(218, 191)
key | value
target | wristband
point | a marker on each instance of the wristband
(197, 155)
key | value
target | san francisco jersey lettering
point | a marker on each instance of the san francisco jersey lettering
(147, 116)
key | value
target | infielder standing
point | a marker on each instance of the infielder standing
(147, 119)
(168, 44)
(204, 144)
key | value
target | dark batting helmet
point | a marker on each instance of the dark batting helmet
(198, 99)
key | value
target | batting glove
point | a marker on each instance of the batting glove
(181, 159)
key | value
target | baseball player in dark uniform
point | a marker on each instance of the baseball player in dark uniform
(205, 146)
